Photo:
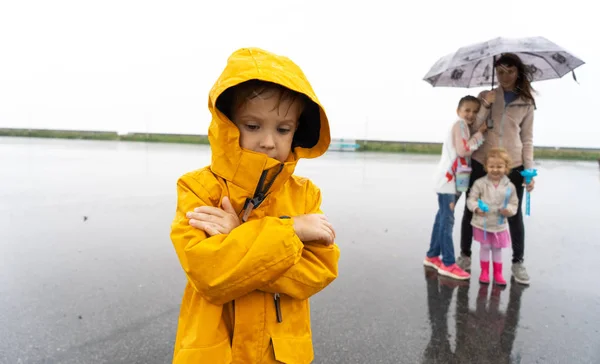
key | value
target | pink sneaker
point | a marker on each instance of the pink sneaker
(434, 262)
(453, 271)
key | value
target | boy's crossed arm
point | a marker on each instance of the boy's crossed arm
(251, 256)
(317, 267)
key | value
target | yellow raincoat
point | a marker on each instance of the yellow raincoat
(246, 300)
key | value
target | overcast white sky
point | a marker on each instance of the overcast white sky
(133, 65)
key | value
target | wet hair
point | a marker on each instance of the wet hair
(469, 98)
(500, 153)
(309, 124)
(525, 75)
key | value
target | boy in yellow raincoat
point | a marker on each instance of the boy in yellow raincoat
(251, 236)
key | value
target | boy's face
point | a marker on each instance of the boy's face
(468, 111)
(267, 124)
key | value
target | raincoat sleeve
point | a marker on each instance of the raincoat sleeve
(527, 139)
(317, 267)
(225, 267)
(513, 202)
(474, 196)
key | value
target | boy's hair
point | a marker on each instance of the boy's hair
(309, 124)
(498, 153)
(234, 98)
(469, 98)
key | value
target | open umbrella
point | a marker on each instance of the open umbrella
(472, 66)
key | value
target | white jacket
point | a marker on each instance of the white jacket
(457, 148)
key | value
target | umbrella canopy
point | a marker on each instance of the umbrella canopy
(472, 66)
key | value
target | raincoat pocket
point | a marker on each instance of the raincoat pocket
(293, 350)
(216, 354)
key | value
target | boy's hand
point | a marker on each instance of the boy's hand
(483, 128)
(214, 220)
(479, 212)
(504, 212)
(314, 227)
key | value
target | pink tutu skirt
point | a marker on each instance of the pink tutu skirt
(500, 239)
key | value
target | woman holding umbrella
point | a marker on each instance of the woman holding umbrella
(511, 108)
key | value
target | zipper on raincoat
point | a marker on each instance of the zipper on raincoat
(277, 299)
(251, 203)
(260, 194)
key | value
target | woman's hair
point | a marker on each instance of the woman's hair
(500, 153)
(525, 76)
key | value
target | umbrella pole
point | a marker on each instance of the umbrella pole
(490, 121)
(493, 71)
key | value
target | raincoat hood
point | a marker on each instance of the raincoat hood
(244, 167)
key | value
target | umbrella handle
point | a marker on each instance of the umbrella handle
(490, 121)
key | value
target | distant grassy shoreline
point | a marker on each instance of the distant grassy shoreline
(582, 154)
(104, 135)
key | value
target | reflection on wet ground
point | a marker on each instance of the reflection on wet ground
(484, 334)
(88, 273)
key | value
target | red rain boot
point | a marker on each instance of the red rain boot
(484, 278)
(498, 278)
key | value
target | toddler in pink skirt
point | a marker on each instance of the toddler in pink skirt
(490, 228)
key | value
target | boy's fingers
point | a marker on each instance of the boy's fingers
(212, 220)
(328, 224)
(330, 233)
(210, 229)
(195, 223)
(210, 210)
(227, 207)
(201, 216)
(322, 217)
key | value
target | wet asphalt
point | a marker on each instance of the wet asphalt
(88, 273)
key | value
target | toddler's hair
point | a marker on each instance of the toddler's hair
(500, 153)
(469, 98)
(237, 96)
